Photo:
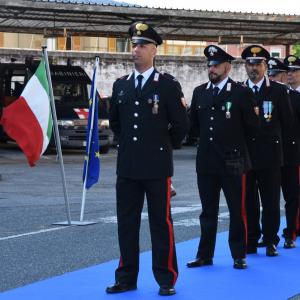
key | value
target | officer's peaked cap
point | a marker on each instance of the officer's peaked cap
(216, 55)
(142, 33)
(275, 66)
(292, 62)
(255, 54)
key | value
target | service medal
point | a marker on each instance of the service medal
(227, 113)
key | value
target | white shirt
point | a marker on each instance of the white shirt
(221, 84)
(298, 89)
(259, 84)
(146, 76)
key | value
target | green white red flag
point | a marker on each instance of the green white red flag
(28, 120)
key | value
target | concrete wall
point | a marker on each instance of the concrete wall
(189, 70)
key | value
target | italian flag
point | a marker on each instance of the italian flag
(28, 120)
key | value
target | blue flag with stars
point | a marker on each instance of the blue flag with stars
(91, 168)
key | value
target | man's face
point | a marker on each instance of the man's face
(143, 55)
(217, 73)
(257, 71)
(293, 77)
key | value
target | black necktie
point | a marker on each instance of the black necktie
(139, 85)
(255, 88)
(215, 91)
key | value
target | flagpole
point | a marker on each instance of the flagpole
(57, 138)
(89, 141)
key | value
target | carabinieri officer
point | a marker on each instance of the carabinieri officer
(149, 118)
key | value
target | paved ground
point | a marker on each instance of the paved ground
(31, 200)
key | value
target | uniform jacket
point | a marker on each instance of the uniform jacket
(222, 145)
(265, 143)
(291, 137)
(146, 138)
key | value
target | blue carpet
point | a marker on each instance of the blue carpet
(266, 278)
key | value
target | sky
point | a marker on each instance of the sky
(262, 6)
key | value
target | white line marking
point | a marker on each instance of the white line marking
(30, 233)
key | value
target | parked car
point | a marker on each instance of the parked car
(71, 88)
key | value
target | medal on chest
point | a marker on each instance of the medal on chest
(155, 104)
(227, 113)
(267, 108)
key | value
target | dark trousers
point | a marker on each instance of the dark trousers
(267, 181)
(290, 190)
(234, 190)
(130, 200)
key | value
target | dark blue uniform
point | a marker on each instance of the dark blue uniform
(266, 153)
(290, 171)
(222, 160)
(148, 127)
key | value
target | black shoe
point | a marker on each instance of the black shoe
(261, 244)
(120, 288)
(271, 250)
(289, 243)
(199, 262)
(239, 263)
(173, 193)
(166, 290)
(251, 249)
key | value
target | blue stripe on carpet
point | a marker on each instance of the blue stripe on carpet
(266, 278)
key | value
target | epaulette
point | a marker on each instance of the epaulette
(125, 77)
(168, 76)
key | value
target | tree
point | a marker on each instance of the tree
(296, 50)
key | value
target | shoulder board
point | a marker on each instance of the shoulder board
(123, 77)
(168, 76)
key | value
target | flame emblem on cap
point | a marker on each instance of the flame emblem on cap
(212, 50)
(291, 59)
(272, 63)
(141, 27)
(255, 50)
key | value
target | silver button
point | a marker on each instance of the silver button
(135, 138)
(213, 108)
(135, 126)
(136, 115)
(210, 138)
(210, 128)
(276, 142)
(211, 118)
(161, 148)
(137, 102)
(293, 143)
(253, 139)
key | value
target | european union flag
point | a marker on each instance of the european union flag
(91, 168)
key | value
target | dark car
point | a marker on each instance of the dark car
(71, 88)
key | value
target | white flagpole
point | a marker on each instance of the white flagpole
(57, 138)
(90, 138)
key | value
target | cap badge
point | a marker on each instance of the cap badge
(255, 50)
(292, 59)
(141, 27)
(212, 50)
(272, 63)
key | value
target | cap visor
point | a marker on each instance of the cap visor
(274, 72)
(254, 61)
(214, 62)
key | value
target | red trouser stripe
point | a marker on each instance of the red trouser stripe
(171, 233)
(298, 215)
(244, 215)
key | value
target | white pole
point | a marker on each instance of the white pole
(90, 138)
(56, 132)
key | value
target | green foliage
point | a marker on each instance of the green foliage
(296, 50)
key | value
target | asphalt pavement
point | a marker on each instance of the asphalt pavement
(31, 200)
